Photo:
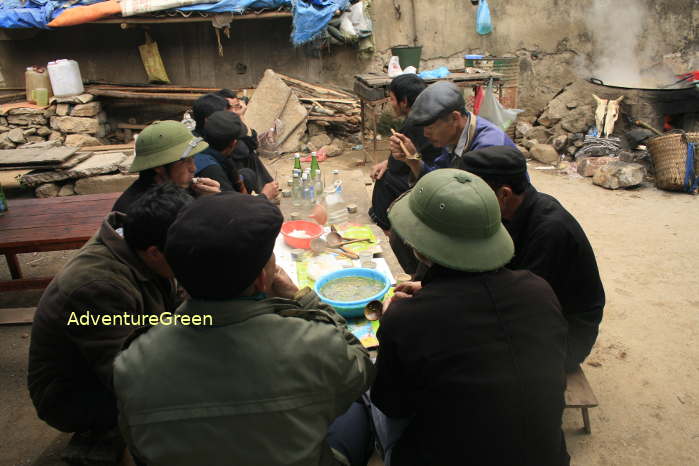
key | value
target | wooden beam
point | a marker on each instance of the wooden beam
(130, 126)
(24, 284)
(191, 19)
(314, 87)
(17, 315)
(114, 87)
(13, 95)
(336, 101)
(146, 95)
(114, 147)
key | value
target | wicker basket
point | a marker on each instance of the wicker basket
(669, 153)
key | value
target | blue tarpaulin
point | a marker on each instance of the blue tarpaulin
(34, 13)
(310, 17)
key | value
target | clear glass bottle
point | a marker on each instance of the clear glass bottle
(296, 189)
(334, 201)
(308, 192)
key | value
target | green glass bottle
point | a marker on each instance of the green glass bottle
(297, 164)
(315, 168)
(3, 201)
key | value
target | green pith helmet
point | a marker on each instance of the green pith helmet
(452, 217)
(164, 142)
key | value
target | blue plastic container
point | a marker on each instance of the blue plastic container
(351, 309)
(470, 60)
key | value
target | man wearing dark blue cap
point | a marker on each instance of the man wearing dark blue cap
(441, 110)
(267, 380)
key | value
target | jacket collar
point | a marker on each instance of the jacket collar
(118, 247)
(229, 311)
(458, 149)
(520, 220)
(437, 273)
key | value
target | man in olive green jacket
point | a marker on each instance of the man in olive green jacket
(117, 281)
(241, 377)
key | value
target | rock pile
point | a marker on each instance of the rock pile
(559, 132)
(76, 121)
(560, 127)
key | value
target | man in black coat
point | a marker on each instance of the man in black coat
(549, 242)
(471, 365)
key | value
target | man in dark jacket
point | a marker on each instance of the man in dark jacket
(223, 131)
(549, 242)
(164, 154)
(471, 366)
(244, 156)
(441, 111)
(115, 283)
(392, 177)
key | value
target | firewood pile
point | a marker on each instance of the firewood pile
(335, 110)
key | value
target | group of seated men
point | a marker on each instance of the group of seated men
(173, 332)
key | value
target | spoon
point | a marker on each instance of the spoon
(373, 310)
(335, 240)
(320, 246)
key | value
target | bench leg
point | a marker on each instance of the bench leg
(586, 420)
(13, 264)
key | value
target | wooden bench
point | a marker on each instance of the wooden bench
(579, 395)
(40, 225)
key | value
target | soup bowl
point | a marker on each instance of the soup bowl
(351, 309)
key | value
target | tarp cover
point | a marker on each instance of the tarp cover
(310, 17)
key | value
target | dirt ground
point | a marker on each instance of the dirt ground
(644, 368)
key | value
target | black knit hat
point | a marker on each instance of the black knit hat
(204, 106)
(220, 243)
(494, 161)
(223, 127)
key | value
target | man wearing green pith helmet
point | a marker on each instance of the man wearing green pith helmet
(471, 367)
(164, 153)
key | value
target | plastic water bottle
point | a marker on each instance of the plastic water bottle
(335, 203)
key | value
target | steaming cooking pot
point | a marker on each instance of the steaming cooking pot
(599, 82)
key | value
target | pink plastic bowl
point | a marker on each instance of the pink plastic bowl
(312, 229)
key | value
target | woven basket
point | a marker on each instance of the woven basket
(669, 153)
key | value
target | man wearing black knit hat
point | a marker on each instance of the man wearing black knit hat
(272, 378)
(548, 241)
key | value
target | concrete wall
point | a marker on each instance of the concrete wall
(549, 35)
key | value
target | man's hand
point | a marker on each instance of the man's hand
(271, 190)
(407, 289)
(396, 150)
(378, 170)
(283, 287)
(202, 186)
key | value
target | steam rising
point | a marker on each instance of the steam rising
(617, 57)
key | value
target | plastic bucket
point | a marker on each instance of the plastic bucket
(407, 55)
(352, 309)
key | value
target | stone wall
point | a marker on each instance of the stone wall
(75, 121)
(549, 35)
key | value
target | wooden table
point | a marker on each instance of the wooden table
(54, 224)
(372, 89)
